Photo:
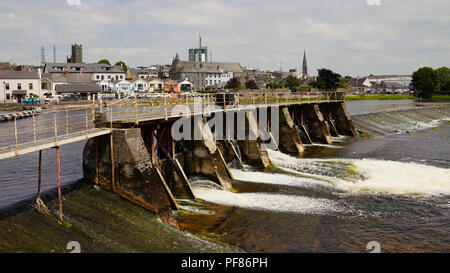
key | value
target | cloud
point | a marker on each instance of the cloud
(351, 37)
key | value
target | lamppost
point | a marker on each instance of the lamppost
(4, 92)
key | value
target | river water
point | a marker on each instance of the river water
(393, 188)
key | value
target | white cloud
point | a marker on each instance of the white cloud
(350, 37)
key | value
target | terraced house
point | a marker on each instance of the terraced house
(15, 86)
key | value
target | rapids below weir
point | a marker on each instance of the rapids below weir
(392, 188)
(390, 185)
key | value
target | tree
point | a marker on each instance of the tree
(444, 80)
(104, 61)
(123, 65)
(233, 84)
(274, 85)
(292, 82)
(251, 84)
(343, 83)
(425, 82)
(327, 79)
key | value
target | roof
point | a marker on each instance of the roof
(78, 88)
(206, 67)
(388, 77)
(146, 71)
(87, 68)
(18, 75)
(70, 77)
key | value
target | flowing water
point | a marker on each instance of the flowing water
(393, 188)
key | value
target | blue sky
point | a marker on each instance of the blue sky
(350, 37)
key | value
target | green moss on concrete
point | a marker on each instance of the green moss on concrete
(101, 222)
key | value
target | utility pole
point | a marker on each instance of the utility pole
(54, 53)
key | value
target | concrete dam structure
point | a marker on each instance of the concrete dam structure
(154, 148)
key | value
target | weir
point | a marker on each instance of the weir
(146, 151)
(152, 166)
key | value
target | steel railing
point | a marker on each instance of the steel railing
(56, 124)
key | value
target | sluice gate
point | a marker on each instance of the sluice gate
(150, 156)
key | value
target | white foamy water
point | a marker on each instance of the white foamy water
(392, 177)
(370, 175)
(270, 202)
(308, 181)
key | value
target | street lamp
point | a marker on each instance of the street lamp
(4, 92)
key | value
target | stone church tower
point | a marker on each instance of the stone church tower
(305, 67)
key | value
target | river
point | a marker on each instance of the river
(393, 189)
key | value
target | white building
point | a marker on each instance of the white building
(403, 80)
(140, 85)
(106, 86)
(124, 87)
(295, 72)
(15, 86)
(155, 85)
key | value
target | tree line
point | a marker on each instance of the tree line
(119, 63)
(428, 81)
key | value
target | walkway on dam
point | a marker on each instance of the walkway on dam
(47, 130)
(55, 128)
(139, 111)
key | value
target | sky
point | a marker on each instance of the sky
(350, 37)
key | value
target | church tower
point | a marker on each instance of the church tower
(305, 66)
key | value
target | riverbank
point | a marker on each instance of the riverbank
(100, 221)
(434, 98)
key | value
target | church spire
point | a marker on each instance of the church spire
(305, 65)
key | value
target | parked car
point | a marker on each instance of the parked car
(32, 100)
(72, 97)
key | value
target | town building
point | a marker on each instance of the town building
(140, 85)
(15, 86)
(144, 73)
(171, 87)
(75, 72)
(123, 87)
(296, 73)
(199, 54)
(87, 91)
(155, 85)
(389, 83)
(202, 74)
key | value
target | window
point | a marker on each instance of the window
(19, 86)
(44, 85)
(30, 86)
(7, 86)
(8, 96)
(121, 77)
(109, 77)
(103, 77)
(98, 77)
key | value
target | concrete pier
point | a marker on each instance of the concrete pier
(290, 141)
(315, 122)
(205, 158)
(135, 177)
(253, 148)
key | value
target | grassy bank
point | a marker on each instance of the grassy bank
(380, 97)
(394, 97)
